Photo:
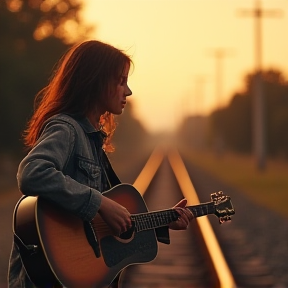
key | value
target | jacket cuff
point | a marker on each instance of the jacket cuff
(93, 205)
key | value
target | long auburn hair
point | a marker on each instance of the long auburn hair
(86, 72)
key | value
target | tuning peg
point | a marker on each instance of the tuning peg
(217, 196)
(224, 219)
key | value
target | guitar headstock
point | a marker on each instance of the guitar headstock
(223, 206)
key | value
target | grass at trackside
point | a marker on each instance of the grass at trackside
(269, 187)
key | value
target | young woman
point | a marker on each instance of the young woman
(68, 135)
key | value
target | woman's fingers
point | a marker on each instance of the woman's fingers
(182, 203)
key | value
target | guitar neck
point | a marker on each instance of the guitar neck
(156, 219)
(202, 209)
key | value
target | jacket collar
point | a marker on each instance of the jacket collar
(89, 128)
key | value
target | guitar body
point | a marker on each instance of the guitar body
(64, 254)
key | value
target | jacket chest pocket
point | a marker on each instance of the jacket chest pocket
(89, 173)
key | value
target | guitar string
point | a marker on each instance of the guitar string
(152, 219)
(162, 218)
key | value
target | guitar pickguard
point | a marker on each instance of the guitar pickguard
(142, 248)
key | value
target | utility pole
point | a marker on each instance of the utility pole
(219, 54)
(197, 126)
(258, 129)
(199, 94)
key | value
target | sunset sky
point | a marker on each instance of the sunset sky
(173, 44)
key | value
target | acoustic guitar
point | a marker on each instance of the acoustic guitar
(60, 249)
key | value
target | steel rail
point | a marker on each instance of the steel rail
(147, 173)
(222, 270)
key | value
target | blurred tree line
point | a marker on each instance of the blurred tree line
(34, 35)
(234, 122)
(230, 127)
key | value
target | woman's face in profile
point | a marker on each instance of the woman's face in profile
(116, 100)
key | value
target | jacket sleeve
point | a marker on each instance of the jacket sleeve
(41, 173)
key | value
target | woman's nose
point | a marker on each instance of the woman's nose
(128, 92)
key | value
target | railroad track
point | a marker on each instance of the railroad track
(199, 257)
(193, 258)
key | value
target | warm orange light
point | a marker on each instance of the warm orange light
(65, 31)
(175, 74)
(14, 5)
(43, 31)
(62, 7)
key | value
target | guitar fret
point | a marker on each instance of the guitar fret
(153, 219)
(203, 209)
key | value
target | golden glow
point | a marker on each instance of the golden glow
(173, 44)
(66, 29)
(43, 31)
(45, 6)
(62, 7)
(34, 3)
(14, 5)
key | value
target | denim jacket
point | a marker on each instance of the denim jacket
(68, 166)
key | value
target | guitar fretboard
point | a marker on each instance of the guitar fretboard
(203, 209)
(152, 220)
